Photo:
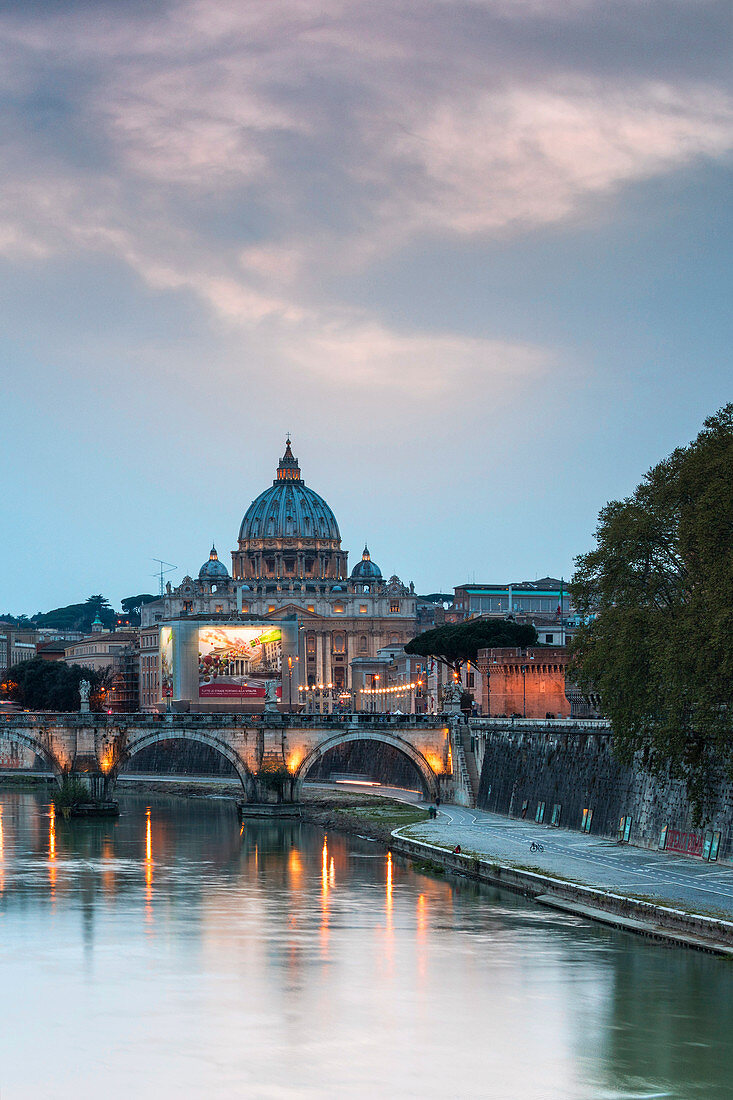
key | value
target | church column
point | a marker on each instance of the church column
(319, 657)
(327, 677)
(327, 646)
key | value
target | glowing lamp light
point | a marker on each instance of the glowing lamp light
(294, 761)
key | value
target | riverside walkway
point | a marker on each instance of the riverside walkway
(660, 877)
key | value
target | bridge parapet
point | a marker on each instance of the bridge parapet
(36, 719)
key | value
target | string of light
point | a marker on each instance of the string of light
(391, 690)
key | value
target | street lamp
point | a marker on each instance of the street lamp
(290, 682)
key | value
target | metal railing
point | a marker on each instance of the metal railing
(542, 725)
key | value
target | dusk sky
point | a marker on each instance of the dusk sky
(475, 256)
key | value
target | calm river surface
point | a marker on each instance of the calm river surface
(164, 954)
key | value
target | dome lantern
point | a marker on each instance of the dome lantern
(288, 468)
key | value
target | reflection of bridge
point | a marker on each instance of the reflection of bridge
(94, 747)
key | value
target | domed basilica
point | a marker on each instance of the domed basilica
(289, 564)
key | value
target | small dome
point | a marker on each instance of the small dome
(213, 569)
(366, 569)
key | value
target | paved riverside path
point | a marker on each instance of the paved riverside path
(679, 881)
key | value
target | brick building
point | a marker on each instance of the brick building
(525, 682)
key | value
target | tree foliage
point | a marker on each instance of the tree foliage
(131, 606)
(660, 583)
(78, 616)
(456, 643)
(20, 621)
(53, 685)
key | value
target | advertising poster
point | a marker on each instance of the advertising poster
(235, 662)
(166, 660)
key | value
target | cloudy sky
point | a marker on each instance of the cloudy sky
(475, 255)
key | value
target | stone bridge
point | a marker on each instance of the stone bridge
(271, 754)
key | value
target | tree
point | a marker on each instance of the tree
(132, 605)
(78, 616)
(660, 585)
(456, 643)
(21, 621)
(53, 685)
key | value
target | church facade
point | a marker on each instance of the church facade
(289, 564)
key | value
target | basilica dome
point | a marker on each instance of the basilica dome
(366, 569)
(289, 533)
(213, 569)
(288, 509)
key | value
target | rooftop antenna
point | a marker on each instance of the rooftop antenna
(160, 573)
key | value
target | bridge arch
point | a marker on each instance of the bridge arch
(154, 737)
(16, 736)
(427, 775)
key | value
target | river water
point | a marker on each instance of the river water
(169, 954)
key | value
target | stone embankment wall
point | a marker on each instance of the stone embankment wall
(574, 769)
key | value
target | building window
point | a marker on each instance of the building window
(311, 607)
(338, 608)
(549, 637)
(363, 643)
(362, 609)
(245, 607)
(219, 608)
(394, 606)
(338, 643)
(188, 605)
(469, 680)
(311, 643)
(270, 608)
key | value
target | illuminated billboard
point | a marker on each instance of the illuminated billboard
(166, 660)
(235, 662)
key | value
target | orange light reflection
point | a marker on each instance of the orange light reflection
(389, 884)
(324, 897)
(148, 868)
(108, 875)
(388, 929)
(295, 868)
(52, 832)
(52, 851)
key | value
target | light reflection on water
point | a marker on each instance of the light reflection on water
(171, 953)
